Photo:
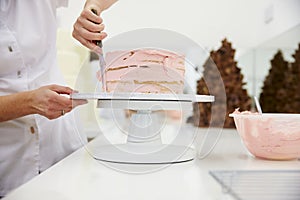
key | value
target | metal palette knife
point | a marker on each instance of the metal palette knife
(102, 63)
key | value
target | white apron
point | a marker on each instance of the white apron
(31, 144)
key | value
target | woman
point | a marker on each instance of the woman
(36, 128)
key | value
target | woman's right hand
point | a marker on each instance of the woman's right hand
(49, 102)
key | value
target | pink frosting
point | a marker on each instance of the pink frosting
(270, 136)
(145, 71)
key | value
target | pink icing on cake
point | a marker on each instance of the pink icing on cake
(270, 136)
(144, 71)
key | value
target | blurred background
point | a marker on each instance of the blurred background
(257, 30)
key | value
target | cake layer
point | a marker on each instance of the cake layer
(145, 71)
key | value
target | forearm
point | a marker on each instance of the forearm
(15, 105)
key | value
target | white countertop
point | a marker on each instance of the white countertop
(79, 176)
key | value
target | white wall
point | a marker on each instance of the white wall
(205, 21)
(286, 15)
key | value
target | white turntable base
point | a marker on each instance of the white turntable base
(148, 154)
(144, 144)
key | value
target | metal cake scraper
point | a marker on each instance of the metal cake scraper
(102, 63)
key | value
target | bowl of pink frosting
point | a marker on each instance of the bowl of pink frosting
(269, 136)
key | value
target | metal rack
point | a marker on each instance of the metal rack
(262, 185)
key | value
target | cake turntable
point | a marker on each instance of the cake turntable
(144, 144)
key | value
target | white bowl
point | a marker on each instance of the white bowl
(269, 136)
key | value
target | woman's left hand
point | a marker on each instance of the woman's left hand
(88, 28)
(89, 25)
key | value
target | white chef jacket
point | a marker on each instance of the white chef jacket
(31, 144)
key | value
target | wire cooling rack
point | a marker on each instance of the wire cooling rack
(260, 185)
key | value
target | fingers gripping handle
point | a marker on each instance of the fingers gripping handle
(97, 42)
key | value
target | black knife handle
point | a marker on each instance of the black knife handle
(97, 42)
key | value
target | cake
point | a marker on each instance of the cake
(144, 71)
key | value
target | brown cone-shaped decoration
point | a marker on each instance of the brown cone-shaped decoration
(236, 95)
(273, 96)
(294, 78)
